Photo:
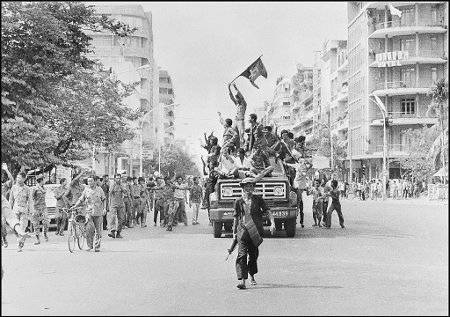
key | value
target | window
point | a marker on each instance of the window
(170, 91)
(408, 106)
(434, 74)
(433, 43)
(408, 44)
(163, 90)
(286, 103)
(407, 77)
(408, 17)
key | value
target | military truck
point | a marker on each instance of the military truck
(274, 189)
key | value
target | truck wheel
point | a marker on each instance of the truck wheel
(217, 228)
(227, 227)
(278, 225)
(289, 228)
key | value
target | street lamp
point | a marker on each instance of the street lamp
(383, 110)
(141, 137)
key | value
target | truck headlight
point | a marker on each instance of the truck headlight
(278, 191)
(227, 192)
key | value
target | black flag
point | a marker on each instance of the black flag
(254, 71)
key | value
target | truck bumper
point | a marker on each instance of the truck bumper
(279, 213)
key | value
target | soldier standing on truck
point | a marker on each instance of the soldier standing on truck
(248, 230)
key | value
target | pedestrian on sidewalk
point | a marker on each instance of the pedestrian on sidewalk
(195, 198)
(248, 230)
(333, 204)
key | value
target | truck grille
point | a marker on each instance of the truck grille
(275, 190)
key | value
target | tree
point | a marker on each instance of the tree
(320, 144)
(45, 70)
(175, 161)
(439, 108)
(416, 164)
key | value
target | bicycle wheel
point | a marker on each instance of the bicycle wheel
(71, 236)
(81, 234)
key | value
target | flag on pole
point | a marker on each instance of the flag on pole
(395, 11)
(254, 71)
(381, 104)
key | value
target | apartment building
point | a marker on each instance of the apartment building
(279, 109)
(165, 112)
(129, 59)
(302, 111)
(397, 57)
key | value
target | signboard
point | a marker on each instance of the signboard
(391, 58)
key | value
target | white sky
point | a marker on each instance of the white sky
(205, 45)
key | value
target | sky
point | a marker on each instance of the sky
(205, 45)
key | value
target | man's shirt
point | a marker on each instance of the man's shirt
(180, 193)
(117, 192)
(94, 199)
(195, 193)
(21, 199)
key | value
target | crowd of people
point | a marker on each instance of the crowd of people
(112, 204)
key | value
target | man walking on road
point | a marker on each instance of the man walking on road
(105, 187)
(22, 205)
(117, 193)
(39, 214)
(248, 230)
(180, 196)
(96, 203)
(61, 202)
(334, 204)
(195, 198)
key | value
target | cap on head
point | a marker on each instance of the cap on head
(247, 180)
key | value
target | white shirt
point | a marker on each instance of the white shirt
(244, 164)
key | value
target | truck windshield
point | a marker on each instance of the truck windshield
(278, 169)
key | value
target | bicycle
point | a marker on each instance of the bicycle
(76, 231)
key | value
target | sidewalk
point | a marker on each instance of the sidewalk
(416, 201)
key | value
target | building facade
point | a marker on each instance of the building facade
(302, 111)
(397, 57)
(129, 59)
(166, 109)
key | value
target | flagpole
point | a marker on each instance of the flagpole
(241, 73)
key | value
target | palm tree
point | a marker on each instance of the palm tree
(439, 108)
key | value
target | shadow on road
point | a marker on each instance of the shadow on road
(262, 286)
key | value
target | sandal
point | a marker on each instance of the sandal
(253, 282)
(241, 286)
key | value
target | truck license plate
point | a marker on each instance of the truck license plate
(280, 213)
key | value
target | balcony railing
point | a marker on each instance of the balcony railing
(397, 84)
(428, 53)
(400, 23)
(398, 115)
(390, 147)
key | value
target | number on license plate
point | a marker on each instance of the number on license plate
(280, 213)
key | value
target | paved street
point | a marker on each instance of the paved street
(392, 259)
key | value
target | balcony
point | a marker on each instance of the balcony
(342, 95)
(398, 88)
(399, 27)
(420, 56)
(343, 67)
(394, 149)
(400, 118)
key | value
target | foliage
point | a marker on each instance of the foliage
(175, 161)
(439, 108)
(416, 163)
(47, 113)
(319, 144)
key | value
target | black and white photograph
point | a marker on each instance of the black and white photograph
(224, 158)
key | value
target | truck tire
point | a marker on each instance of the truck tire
(217, 229)
(278, 225)
(289, 228)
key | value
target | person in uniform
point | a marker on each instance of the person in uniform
(128, 201)
(21, 201)
(248, 230)
(159, 202)
(104, 185)
(39, 214)
(75, 190)
(141, 214)
(117, 194)
(333, 204)
(241, 107)
(95, 200)
(61, 202)
(180, 195)
(195, 198)
(136, 199)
